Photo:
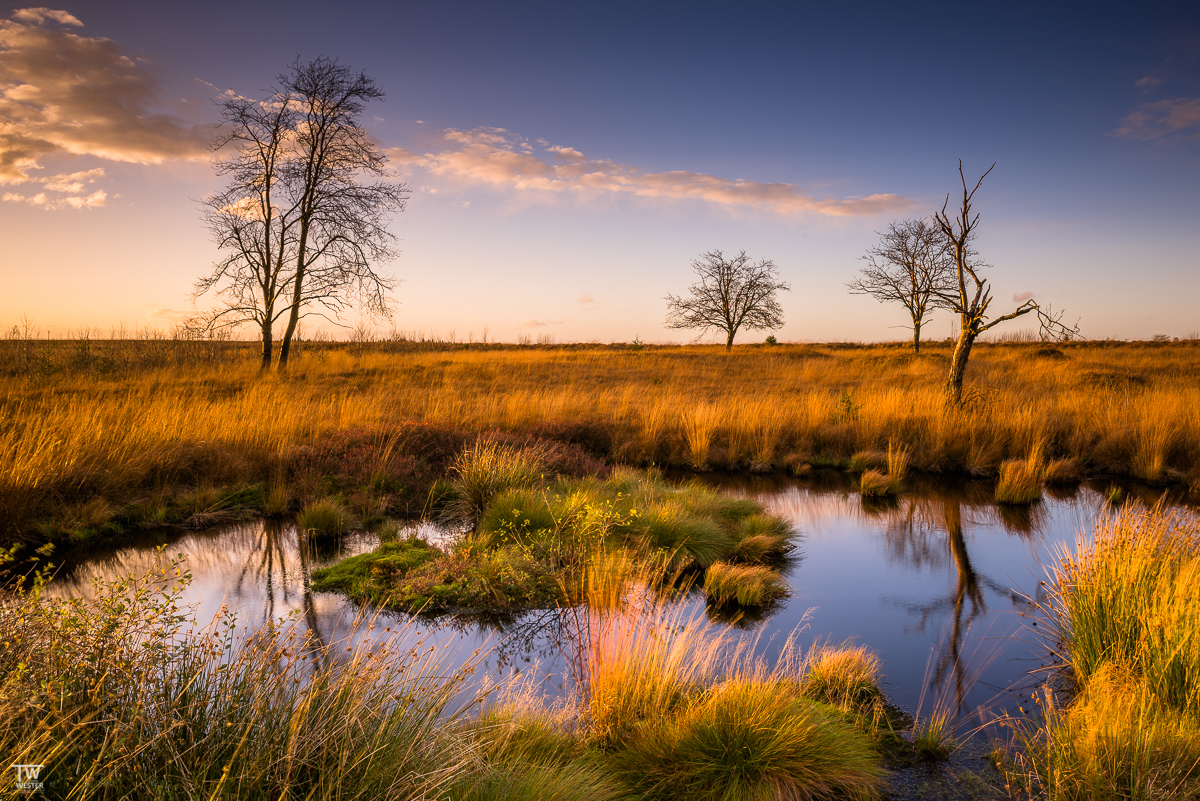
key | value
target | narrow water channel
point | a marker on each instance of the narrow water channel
(938, 584)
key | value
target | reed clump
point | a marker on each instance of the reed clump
(1125, 615)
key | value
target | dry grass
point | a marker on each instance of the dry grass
(1021, 480)
(1124, 612)
(73, 434)
(123, 696)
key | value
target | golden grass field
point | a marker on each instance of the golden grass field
(115, 419)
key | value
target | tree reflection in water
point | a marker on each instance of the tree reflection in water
(923, 532)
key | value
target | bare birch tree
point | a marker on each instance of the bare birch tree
(252, 279)
(731, 294)
(970, 295)
(302, 228)
(911, 263)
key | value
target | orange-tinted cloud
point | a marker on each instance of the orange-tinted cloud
(494, 157)
(1179, 115)
(1021, 297)
(65, 191)
(541, 323)
(64, 93)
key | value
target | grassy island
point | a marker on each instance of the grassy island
(538, 542)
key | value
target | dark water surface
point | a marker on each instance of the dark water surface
(938, 584)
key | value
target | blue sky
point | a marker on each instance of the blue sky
(567, 161)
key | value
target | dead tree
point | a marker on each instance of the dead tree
(731, 294)
(302, 230)
(970, 296)
(911, 263)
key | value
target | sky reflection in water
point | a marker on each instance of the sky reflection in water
(937, 583)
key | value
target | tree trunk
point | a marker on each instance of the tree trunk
(916, 336)
(729, 342)
(267, 344)
(285, 347)
(958, 365)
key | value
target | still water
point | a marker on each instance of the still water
(938, 584)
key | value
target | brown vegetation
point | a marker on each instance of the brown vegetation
(122, 420)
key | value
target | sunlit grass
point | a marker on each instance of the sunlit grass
(1124, 611)
(90, 433)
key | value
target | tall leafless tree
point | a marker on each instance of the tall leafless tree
(303, 221)
(970, 295)
(731, 294)
(910, 264)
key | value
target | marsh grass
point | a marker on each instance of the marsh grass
(75, 434)
(327, 517)
(933, 736)
(1124, 619)
(1021, 480)
(487, 468)
(844, 676)
(745, 585)
(538, 546)
(124, 696)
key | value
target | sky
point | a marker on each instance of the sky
(568, 161)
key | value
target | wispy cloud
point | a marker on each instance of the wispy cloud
(586, 299)
(163, 314)
(495, 157)
(64, 93)
(66, 191)
(1148, 82)
(1179, 116)
(541, 323)
(1021, 297)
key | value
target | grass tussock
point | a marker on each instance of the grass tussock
(875, 484)
(1021, 480)
(750, 740)
(78, 430)
(1125, 614)
(844, 676)
(933, 736)
(679, 711)
(487, 468)
(327, 517)
(744, 585)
